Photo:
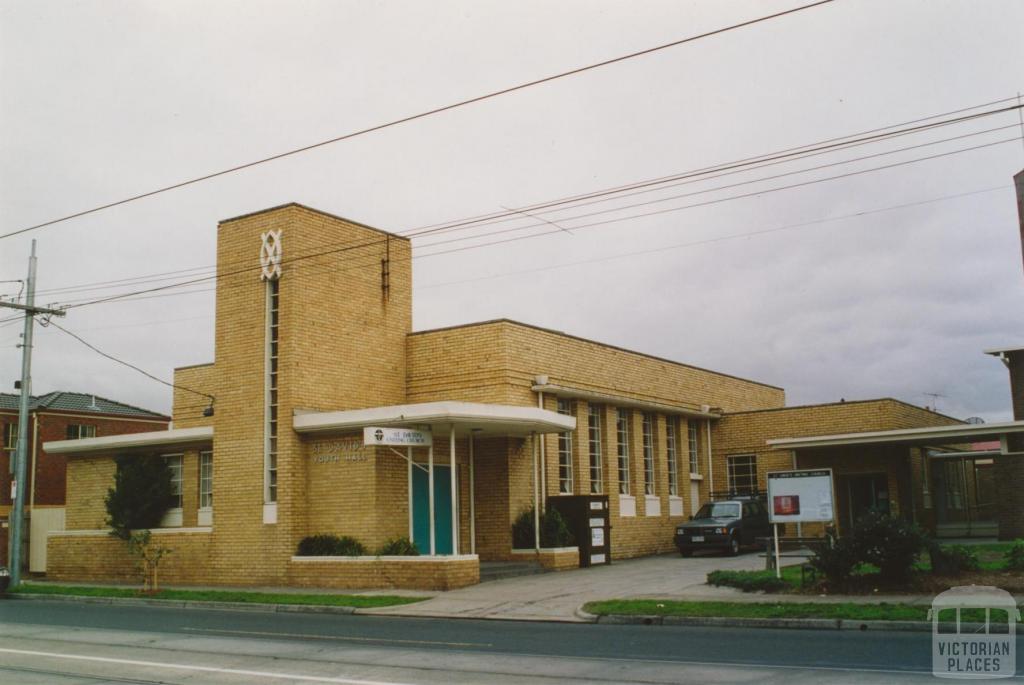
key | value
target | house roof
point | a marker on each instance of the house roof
(61, 400)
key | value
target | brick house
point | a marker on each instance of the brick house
(314, 343)
(56, 416)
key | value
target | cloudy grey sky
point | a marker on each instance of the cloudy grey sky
(883, 283)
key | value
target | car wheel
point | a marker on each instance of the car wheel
(734, 546)
(685, 553)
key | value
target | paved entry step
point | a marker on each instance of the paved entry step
(497, 570)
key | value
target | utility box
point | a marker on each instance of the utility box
(589, 519)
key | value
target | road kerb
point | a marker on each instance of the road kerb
(785, 623)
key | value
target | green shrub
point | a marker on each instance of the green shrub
(748, 581)
(835, 560)
(952, 560)
(141, 495)
(325, 545)
(890, 543)
(398, 547)
(1014, 557)
(554, 531)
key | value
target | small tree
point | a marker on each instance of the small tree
(149, 554)
(140, 496)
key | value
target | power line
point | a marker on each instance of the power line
(381, 241)
(782, 155)
(778, 157)
(706, 203)
(129, 365)
(354, 245)
(718, 239)
(414, 117)
(620, 208)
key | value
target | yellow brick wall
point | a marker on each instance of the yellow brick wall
(188, 407)
(105, 558)
(89, 478)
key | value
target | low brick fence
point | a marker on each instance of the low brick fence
(411, 573)
(551, 558)
(97, 556)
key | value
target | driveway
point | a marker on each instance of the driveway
(556, 596)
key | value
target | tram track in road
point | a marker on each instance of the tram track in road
(77, 676)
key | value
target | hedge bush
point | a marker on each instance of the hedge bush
(890, 543)
(835, 560)
(1014, 557)
(952, 560)
(325, 545)
(140, 497)
(748, 581)
(398, 547)
(554, 531)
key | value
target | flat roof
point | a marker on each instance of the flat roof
(936, 435)
(176, 438)
(487, 420)
(1000, 350)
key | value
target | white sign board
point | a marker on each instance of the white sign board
(403, 437)
(800, 496)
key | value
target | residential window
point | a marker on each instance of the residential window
(622, 434)
(673, 456)
(76, 431)
(648, 440)
(174, 464)
(743, 474)
(594, 443)
(10, 436)
(205, 480)
(691, 432)
(565, 452)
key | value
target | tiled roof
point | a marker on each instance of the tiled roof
(77, 402)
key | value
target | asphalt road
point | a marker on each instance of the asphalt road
(63, 642)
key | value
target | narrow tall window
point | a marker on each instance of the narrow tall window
(622, 435)
(594, 441)
(174, 464)
(691, 432)
(10, 436)
(648, 437)
(205, 480)
(77, 431)
(565, 452)
(270, 442)
(743, 474)
(673, 455)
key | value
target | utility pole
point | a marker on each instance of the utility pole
(18, 511)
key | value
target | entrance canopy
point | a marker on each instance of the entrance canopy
(484, 420)
(936, 435)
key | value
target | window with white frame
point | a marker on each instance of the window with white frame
(594, 444)
(10, 436)
(742, 473)
(173, 462)
(565, 451)
(647, 426)
(622, 441)
(691, 434)
(205, 480)
(75, 431)
(673, 456)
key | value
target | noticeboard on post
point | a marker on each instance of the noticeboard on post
(800, 496)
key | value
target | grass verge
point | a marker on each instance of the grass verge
(355, 601)
(850, 611)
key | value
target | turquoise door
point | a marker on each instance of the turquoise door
(442, 510)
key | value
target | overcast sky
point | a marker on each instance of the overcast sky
(885, 283)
